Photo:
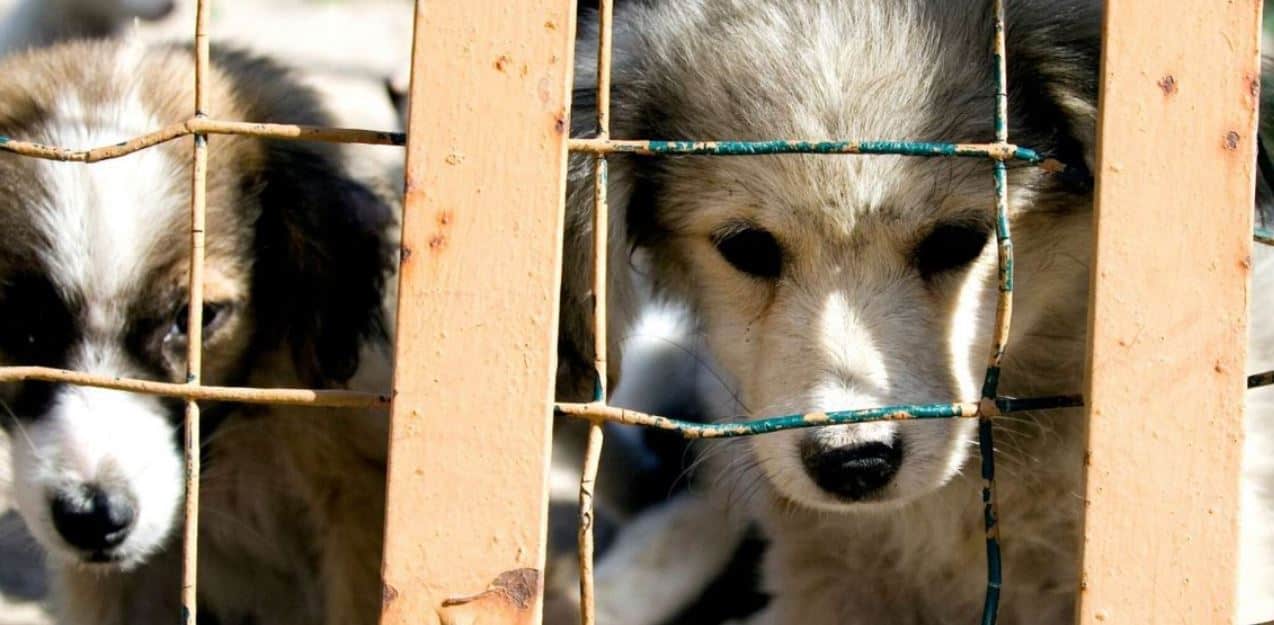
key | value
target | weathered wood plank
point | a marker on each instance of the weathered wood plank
(477, 320)
(1167, 327)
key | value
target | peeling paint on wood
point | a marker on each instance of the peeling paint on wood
(511, 599)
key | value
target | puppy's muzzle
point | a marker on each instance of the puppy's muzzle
(92, 519)
(853, 472)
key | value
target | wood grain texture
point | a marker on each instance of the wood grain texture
(1167, 327)
(477, 316)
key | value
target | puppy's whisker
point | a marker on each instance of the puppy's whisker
(714, 449)
(1030, 428)
(22, 430)
(750, 476)
(782, 476)
(732, 476)
(702, 363)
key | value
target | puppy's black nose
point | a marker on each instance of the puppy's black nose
(852, 472)
(92, 519)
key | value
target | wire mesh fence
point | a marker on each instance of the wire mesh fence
(991, 404)
(203, 123)
(199, 125)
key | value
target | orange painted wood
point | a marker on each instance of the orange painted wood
(477, 315)
(1167, 328)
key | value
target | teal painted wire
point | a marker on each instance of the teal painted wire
(1004, 315)
(744, 427)
(783, 146)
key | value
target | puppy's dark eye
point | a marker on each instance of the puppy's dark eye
(950, 246)
(212, 313)
(751, 250)
(36, 325)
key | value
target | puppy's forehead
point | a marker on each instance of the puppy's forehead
(102, 232)
(812, 69)
(817, 70)
(105, 224)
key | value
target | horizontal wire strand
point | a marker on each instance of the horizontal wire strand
(199, 125)
(246, 395)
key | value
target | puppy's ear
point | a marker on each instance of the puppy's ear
(1054, 56)
(322, 259)
(397, 88)
(576, 379)
(1265, 138)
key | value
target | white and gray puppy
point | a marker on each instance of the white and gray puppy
(836, 282)
(35, 23)
(93, 278)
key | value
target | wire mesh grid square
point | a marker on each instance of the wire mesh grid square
(200, 125)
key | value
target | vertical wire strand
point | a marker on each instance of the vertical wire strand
(601, 205)
(194, 323)
(601, 230)
(1003, 320)
(588, 482)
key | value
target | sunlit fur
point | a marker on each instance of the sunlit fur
(851, 322)
(93, 274)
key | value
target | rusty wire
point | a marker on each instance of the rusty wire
(202, 126)
(601, 244)
(243, 395)
(192, 391)
(194, 326)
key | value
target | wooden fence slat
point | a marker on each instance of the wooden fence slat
(477, 316)
(1167, 326)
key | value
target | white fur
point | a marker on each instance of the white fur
(850, 323)
(116, 440)
(105, 216)
(290, 514)
(100, 224)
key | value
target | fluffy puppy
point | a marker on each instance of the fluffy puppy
(93, 278)
(834, 282)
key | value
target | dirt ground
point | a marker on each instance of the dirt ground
(348, 48)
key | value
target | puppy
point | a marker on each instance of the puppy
(34, 23)
(834, 282)
(664, 541)
(93, 278)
